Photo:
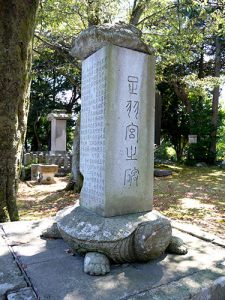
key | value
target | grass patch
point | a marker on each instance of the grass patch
(193, 194)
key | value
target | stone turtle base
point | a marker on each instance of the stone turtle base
(56, 274)
(128, 238)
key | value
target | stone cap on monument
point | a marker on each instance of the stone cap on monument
(119, 34)
(59, 114)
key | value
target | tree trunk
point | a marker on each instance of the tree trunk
(215, 102)
(17, 20)
(137, 11)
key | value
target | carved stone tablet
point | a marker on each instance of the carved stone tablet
(117, 131)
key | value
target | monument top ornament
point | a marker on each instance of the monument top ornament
(60, 114)
(119, 34)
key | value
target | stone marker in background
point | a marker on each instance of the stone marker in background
(114, 220)
(192, 139)
(34, 172)
(46, 173)
(58, 130)
(27, 159)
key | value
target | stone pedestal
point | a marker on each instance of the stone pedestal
(133, 237)
(47, 173)
(58, 131)
(117, 131)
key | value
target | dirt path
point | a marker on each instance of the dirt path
(190, 195)
(37, 200)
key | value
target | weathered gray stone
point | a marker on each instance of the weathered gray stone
(96, 264)
(197, 286)
(58, 130)
(56, 274)
(10, 275)
(22, 294)
(47, 172)
(96, 37)
(133, 237)
(216, 291)
(201, 165)
(117, 131)
(162, 173)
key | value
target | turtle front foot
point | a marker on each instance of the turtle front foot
(96, 264)
(177, 246)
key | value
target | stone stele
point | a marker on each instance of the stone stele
(117, 131)
(58, 130)
(114, 221)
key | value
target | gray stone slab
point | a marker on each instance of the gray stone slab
(44, 251)
(10, 275)
(162, 173)
(22, 294)
(216, 291)
(198, 286)
(26, 232)
(61, 275)
(195, 231)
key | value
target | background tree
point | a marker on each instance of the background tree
(183, 32)
(17, 20)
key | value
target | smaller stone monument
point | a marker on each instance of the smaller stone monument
(192, 139)
(46, 173)
(58, 130)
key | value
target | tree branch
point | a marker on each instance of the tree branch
(59, 48)
(156, 13)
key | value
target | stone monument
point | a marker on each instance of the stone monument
(115, 221)
(117, 127)
(58, 130)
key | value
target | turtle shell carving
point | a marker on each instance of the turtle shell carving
(128, 238)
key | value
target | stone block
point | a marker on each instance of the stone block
(34, 172)
(117, 131)
(162, 173)
(47, 173)
(58, 130)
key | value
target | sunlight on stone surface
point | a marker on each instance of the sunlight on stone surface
(111, 284)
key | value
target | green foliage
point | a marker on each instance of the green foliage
(221, 138)
(26, 173)
(175, 122)
(165, 151)
(183, 34)
(200, 125)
